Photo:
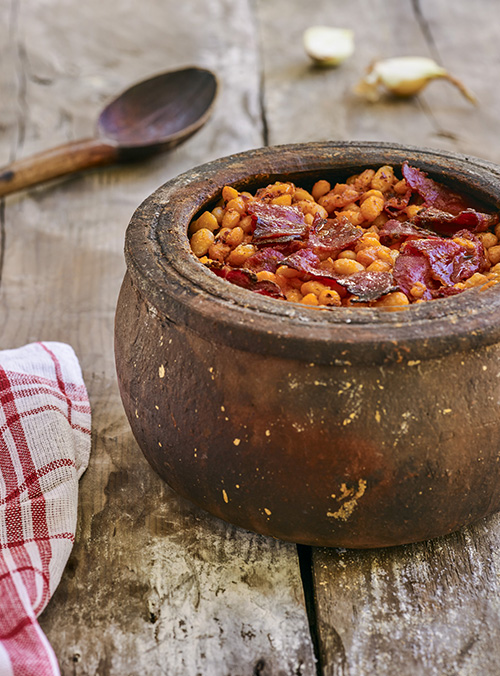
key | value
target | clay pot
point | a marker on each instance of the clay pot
(350, 427)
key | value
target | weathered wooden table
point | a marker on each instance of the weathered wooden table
(154, 585)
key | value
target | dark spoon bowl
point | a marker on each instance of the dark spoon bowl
(349, 427)
(160, 111)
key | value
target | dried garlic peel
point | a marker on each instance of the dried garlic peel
(328, 46)
(405, 76)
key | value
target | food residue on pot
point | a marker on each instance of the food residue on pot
(376, 240)
(351, 497)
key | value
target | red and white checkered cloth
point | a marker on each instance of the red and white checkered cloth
(44, 449)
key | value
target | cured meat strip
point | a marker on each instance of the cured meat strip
(247, 279)
(330, 236)
(366, 286)
(276, 221)
(434, 194)
(445, 223)
(396, 231)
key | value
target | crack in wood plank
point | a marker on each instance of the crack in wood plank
(426, 30)
(433, 49)
(262, 101)
(262, 75)
(305, 556)
(21, 77)
(439, 131)
(2, 238)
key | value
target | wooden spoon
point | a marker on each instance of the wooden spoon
(149, 117)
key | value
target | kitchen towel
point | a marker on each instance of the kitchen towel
(44, 450)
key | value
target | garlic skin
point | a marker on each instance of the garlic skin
(328, 46)
(405, 76)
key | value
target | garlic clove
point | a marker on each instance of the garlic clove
(405, 76)
(328, 46)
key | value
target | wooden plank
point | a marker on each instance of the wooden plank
(154, 585)
(430, 608)
(305, 103)
(464, 41)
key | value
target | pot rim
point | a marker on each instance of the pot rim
(178, 287)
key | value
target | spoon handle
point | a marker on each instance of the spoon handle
(59, 161)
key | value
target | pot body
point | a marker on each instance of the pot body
(367, 430)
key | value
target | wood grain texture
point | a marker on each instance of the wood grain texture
(305, 103)
(153, 586)
(428, 609)
(432, 608)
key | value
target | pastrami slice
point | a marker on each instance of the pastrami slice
(276, 221)
(434, 194)
(445, 223)
(330, 236)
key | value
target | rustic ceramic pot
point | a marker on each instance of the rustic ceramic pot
(348, 427)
